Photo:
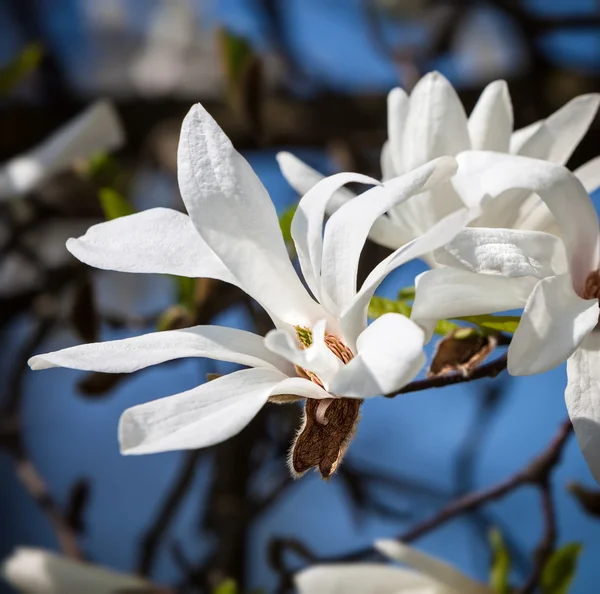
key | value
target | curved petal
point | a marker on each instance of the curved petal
(583, 399)
(43, 572)
(589, 175)
(348, 228)
(159, 240)
(390, 354)
(519, 137)
(397, 111)
(557, 187)
(300, 387)
(436, 124)
(200, 417)
(443, 573)
(361, 579)
(506, 252)
(130, 354)
(554, 323)
(491, 121)
(559, 135)
(233, 213)
(388, 171)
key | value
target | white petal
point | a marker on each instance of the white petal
(348, 228)
(446, 293)
(130, 354)
(159, 240)
(441, 572)
(300, 387)
(559, 135)
(307, 226)
(506, 252)
(519, 137)
(234, 214)
(557, 187)
(583, 399)
(397, 111)
(491, 121)
(390, 354)
(589, 175)
(388, 171)
(436, 124)
(37, 571)
(363, 578)
(201, 417)
(554, 322)
(316, 358)
(95, 130)
(354, 319)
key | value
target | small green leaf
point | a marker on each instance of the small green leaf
(186, 288)
(381, 305)
(444, 327)
(235, 53)
(497, 323)
(285, 223)
(500, 567)
(20, 68)
(560, 569)
(113, 204)
(226, 587)
(406, 294)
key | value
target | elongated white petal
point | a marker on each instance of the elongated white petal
(300, 387)
(505, 251)
(436, 124)
(364, 578)
(201, 417)
(316, 358)
(307, 225)
(446, 293)
(554, 323)
(354, 319)
(519, 137)
(348, 228)
(583, 399)
(233, 213)
(557, 187)
(559, 135)
(491, 121)
(390, 354)
(95, 130)
(37, 571)
(589, 175)
(397, 111)
(159, 240)
(388, 171)
(441, 572)
(130, 354)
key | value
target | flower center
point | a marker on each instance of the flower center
(591, 289)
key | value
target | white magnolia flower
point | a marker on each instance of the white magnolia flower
(322, 349)
(557, 282)
(427, 576)
(432, 123)
(36, 571)
(95, 130)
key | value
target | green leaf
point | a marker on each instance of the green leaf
(285, 223)
(235, 53)
(497, 323)
(444, 327)
(186, 288)
(406, 294)
(20, 68)
(381, 305)
(559, 571)
(500, 563)
(113, 204)
(226, 587)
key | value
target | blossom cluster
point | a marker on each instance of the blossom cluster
(501, 221)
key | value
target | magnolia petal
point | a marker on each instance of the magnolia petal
(446, 293)
(505, 251)
(130, 354)
(234, 214)
(301, 387)
(436, 124)
(390, 354)
(557, 187)
(159, 240)
(554, 323)
(583, 399)
(388, 171)
(491, 121)
(519, 137)
(589, 175)
(362, 579)
(316, 358)
(95, 130)
(348, 228)
(443, 573)
(397, 111)
(43, 572)
(200, 417)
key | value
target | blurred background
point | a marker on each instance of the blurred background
(309, 76)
